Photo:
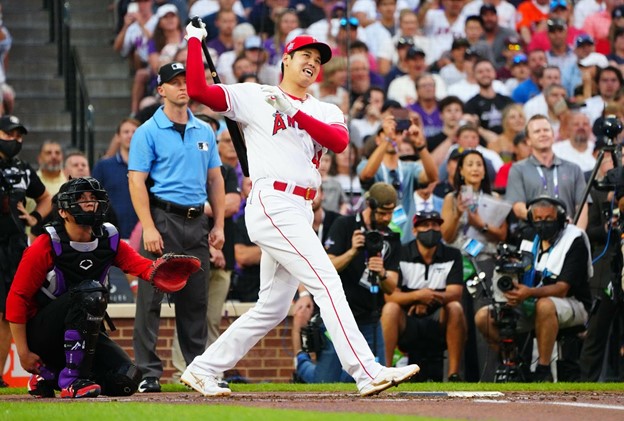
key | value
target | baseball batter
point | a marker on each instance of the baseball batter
(287, 131)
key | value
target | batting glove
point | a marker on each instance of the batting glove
(195, 32)
(279, 100)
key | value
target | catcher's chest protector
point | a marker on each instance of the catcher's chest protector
(75, 262)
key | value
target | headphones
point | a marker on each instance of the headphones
(558, 204)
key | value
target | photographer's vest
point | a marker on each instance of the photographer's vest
(551, 261)
(75, 262)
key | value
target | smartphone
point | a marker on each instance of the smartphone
(401, 116)
(467, 194)
(133, 7)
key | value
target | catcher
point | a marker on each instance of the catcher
(57, 302)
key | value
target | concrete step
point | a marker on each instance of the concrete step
(23, 69)
(33, 52)
(45, 87)
(55, 120)
(25, 106)
(99, 87)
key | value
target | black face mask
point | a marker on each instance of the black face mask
(547, 230)
(429, 238)
(10, 148)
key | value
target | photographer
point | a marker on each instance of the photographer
(560, 288)
(426, 307)
(17, 182)
(366, 255)
(384, 165)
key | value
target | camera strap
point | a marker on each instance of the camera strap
(545, 182)
(388, 179)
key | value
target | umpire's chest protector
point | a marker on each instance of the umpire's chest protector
(75, 262)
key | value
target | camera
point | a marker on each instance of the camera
(312, 336)
(512, 266)
(609, 126)
(373, 242)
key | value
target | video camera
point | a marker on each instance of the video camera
(512, 266)
(311, 335)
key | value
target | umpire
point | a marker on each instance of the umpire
(177, 154)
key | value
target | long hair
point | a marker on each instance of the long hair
(459, 181)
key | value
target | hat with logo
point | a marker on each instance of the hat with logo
(583, 39)
(487, 7)
(303, 41)
(556, 23)
(169, 71)
(166, 8)
(10, 122)
(423, 216)
(618, 12)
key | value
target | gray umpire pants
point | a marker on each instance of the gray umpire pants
(180, 235)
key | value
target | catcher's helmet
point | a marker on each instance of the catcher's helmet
(69, 197)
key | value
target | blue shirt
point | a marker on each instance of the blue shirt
(113, 174)
(525, 91)
(178, 167)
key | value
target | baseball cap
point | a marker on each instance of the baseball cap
(594, 59)
(303, 41)
(460, 42)
(10, 122)
(487, 8)
(415, 51)
(513, 43)
(166, 8)
(253, 43)
(169, 71)
(455, 154)
(554, 4)
(383, 193)
(423, 216)
(519, 138)
(584, 39)
(556, 23)
(618, 12)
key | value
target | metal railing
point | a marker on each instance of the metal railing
(77, 100)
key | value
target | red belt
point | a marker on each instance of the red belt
(308, 193)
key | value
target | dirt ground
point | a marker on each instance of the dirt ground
(564, 406)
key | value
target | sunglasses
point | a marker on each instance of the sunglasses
(519, 59)
(351, 21)
(405, 41)
(514, 47)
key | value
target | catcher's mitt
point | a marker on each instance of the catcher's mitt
(171, 271)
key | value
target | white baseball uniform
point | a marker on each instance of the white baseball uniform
(280, 222)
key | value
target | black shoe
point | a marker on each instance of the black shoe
(149, 385)
(542, 374)
(3, 383)
(455, 378)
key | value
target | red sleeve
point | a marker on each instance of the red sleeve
(29, 278)
(129, 261)
(211, 95)
(334, 137)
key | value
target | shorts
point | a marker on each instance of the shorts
(570, 312)
(422, 332)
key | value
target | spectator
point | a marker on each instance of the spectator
(519, 72)
(384, 165)
(609, 81)
(286, 20)
(379, 35)
(560, 294)
(403, 89)
(597, 24)
(584, 8)
(131, 41)
(366, 115)
(443, 24)
(545, 173)
(526, 90)
(572, 74)
(359, 273)
(550, 75)
(226, 60)
(112, 173)
(558, 10)
(425, 310)
(360, 76)
(210, 14)
(579, 147)
(558, 111)
(560, 53)
(512, 49)
(514, 121)
(409, 29)
(76, 165)
(467, 88)
(331, 89)
(174, 201)
(487, 104)
(258, 58)
(50, 160)
(399, 68)
(344, 170)
(520, 151)
(505, 11)
(7, 92)
(314, 11)
(495, 35)
(451, 112)
(426, 105)
(225, 22)
(533, 14)
(19, 181)
(445, 185)
(454, 71)
(617, 47)
(262, 16)
(245, 280)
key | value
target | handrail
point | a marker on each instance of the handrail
(77, 99)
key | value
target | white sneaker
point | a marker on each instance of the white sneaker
(388, 377)
(206, 385)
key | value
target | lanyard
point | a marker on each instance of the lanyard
(545, 182)
(387, 179)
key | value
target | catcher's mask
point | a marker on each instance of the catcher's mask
(69, 199)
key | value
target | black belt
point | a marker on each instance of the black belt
(190, 212)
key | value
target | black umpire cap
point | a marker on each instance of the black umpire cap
(169, 71)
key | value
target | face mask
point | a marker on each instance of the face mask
(10, 148)
(547, 230)
(429, 238)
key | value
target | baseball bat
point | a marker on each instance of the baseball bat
(238, 139)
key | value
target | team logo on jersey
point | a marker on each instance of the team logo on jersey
(280, 124)
(202, 146)
(86, 264)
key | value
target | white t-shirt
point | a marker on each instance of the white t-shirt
(585, 160)
(441, 31)
(403, 89)
(505, 11)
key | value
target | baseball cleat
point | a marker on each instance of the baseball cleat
(81, 388)
(40, 387)
(388, 377)
(207, 385)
